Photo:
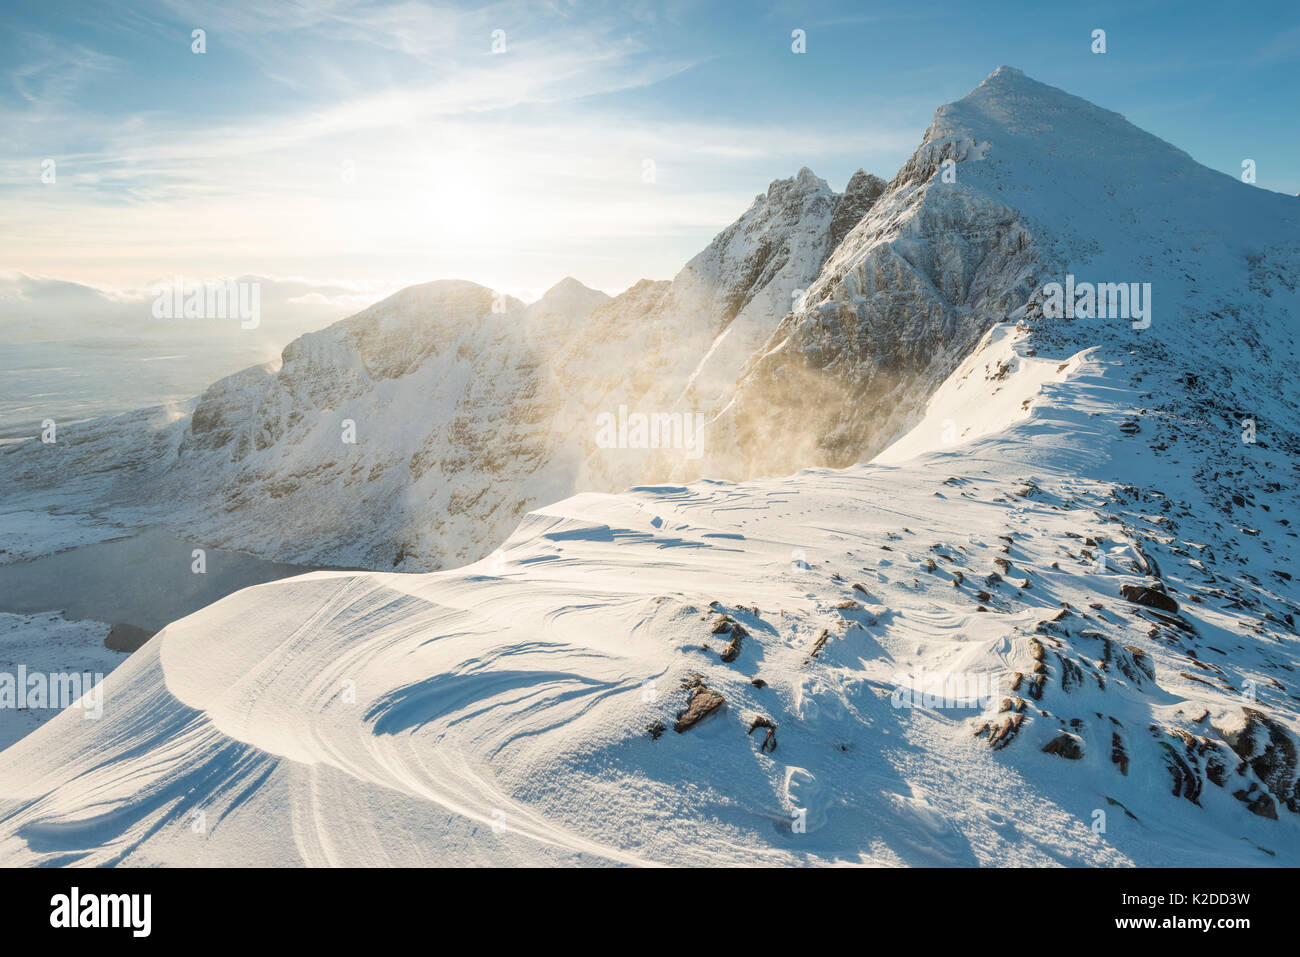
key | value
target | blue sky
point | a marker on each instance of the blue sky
(387, 143)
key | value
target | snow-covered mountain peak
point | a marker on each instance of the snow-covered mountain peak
(1010, 103)
(803, 182)
(561, 311)
(570, 291)
(426, 295)
(1016, 185)
(729, 298)
(1051, 150)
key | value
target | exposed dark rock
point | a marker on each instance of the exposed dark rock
(1270, 751)
(703, 702)
(1071, 673)
(1257, 802)
(820, 643)
(127, 638)
(1065, 745)
(1117, 753)
(738, 634)
(1000, 735)
(1111, 801)
(859, 196)
(1141, 660)
(1142, 595)
(1186, 782)
(1216, 768)
(769, 740)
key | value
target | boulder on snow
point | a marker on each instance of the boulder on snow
(1142, 595)
(703, 702)
(1065, 745)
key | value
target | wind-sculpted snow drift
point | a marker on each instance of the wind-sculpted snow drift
(1052, 621)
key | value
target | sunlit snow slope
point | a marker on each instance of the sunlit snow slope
(386, 718)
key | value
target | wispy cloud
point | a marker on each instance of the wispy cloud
(460, 162)
(53, 72)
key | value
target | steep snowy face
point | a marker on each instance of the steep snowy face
(905, 295)
(730, 297)
(780, 241)
(685, 354)
(378, 435)
(750, 276)
(1185, 277)
(253, 410)
(1015, 186)
(1206, 264)
(561, 313)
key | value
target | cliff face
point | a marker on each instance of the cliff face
(859, 196)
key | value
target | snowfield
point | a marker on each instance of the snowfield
(1043, 615)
